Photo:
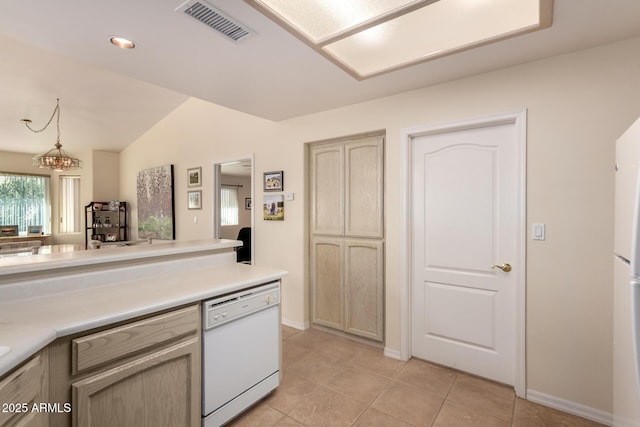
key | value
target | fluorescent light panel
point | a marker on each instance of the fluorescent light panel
(368, 38)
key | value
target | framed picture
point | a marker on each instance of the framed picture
(274, 181)
(34, 229)
(194, 199)
(194, 177)
(247, 203)
(273, 207)
(112, 237)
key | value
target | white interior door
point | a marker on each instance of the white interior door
(467, 215)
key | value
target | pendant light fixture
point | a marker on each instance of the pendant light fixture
(55, 159)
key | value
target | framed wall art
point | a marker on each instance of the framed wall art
(194, 177)
(274, 181)
(156, 217)
(194, 199)
(273, 207)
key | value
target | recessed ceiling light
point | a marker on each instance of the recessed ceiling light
(121, 42)
(371, 37)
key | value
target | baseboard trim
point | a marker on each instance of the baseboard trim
(296, 325)
(393, 354)
(570, 407)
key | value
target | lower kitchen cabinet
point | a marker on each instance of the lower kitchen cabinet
(141, 373)
(23, 391)
(155, 390)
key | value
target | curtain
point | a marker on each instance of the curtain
(70, 206)
(229, 206)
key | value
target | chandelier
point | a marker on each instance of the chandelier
(55, 159)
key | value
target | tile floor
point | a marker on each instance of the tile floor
(332, 381)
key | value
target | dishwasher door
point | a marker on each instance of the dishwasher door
(238, 356)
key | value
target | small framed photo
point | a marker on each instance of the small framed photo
(34, 229)
(195, 199)
(273, 207)
(247, 203)
(194, 177)
(112, 237)
(274, 181)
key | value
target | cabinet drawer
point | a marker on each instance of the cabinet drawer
(102, 347)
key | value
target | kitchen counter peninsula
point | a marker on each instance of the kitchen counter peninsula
(46, 297)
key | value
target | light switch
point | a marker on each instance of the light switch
(289, 196)
(538, 231)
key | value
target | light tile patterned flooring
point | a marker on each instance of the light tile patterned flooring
(332, 381)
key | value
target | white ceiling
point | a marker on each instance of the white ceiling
(109, 96)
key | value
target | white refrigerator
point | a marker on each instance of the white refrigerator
(626, 301)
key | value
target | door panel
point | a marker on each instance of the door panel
(363, 192)
(364, 288)
(465, 198)
(327, 182)
(460, 208)
(327, 285)
(461, 314)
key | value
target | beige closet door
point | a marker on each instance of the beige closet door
(327, 289)
(363, 188)
(364, 287)
(327, 194)
(346, 231)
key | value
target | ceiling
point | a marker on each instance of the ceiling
(109, 97)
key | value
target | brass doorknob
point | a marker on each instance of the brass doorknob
(504, 267)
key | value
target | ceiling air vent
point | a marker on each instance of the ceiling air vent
(215, 19)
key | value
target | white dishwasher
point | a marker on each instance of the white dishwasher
(241, 351)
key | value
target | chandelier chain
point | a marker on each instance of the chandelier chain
(56, 111)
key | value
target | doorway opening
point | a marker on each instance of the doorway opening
(233, 205)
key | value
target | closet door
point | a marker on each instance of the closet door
(364, 290)
(327, 289)
(364, 188)
(327, 183)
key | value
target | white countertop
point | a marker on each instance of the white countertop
(29, 322)
(24, 264)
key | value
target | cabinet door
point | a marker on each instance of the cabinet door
(327, 282)
(160, 389)
(364, 290)
(327, 183)
(364, 169)
(20, 390)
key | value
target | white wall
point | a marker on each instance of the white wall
(106, 175)
(578, 104)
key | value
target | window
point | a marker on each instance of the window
(70, 205)
(25, 200)
(228, 206)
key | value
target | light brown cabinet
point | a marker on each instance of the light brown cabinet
(23, 391)
(142, 373)
(346, 234)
